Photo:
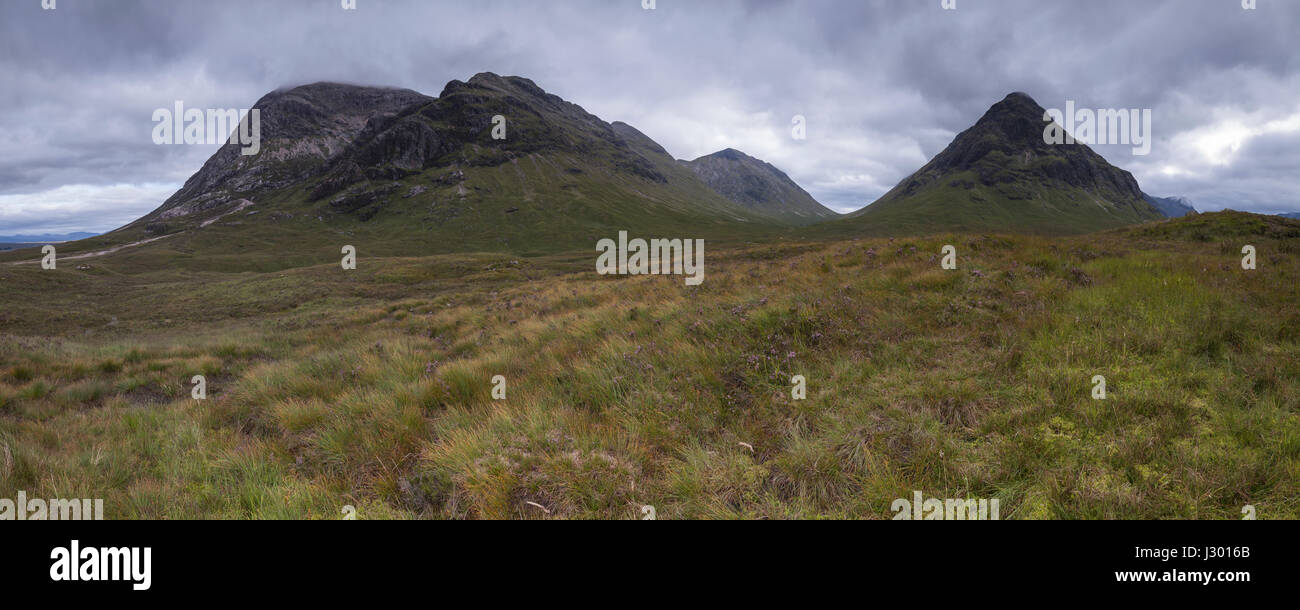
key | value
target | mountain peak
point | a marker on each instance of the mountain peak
(1017, 116)
(491, 80)
(1002, 167)
(339, 96)
(729, 154)
(325, 85)
(758, 185)
(486, 77)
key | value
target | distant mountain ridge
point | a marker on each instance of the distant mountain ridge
(1000, 175)
(45, 237)
(1171, 207)
(758, 186)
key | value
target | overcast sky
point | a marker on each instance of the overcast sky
(884, 84)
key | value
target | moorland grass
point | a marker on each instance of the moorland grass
(373, 388)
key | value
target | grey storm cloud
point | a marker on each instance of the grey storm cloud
(883, 84)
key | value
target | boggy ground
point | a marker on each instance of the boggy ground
(372, 388)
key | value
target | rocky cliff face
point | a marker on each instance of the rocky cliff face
(303, 129)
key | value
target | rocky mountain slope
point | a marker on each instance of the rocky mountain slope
(758, 186)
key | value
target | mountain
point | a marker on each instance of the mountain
(1290, 215)
(758, 186)
(1001, 176)
(303, 130)
(44, 237)
(394, 172)
(1171, 207)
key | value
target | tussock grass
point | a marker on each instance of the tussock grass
(623, 392)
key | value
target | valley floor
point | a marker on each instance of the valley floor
(373, 388)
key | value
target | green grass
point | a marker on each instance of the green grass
(960, 203)
(372, 388)
(528, 208)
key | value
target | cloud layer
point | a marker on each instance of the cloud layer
(884, 84)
